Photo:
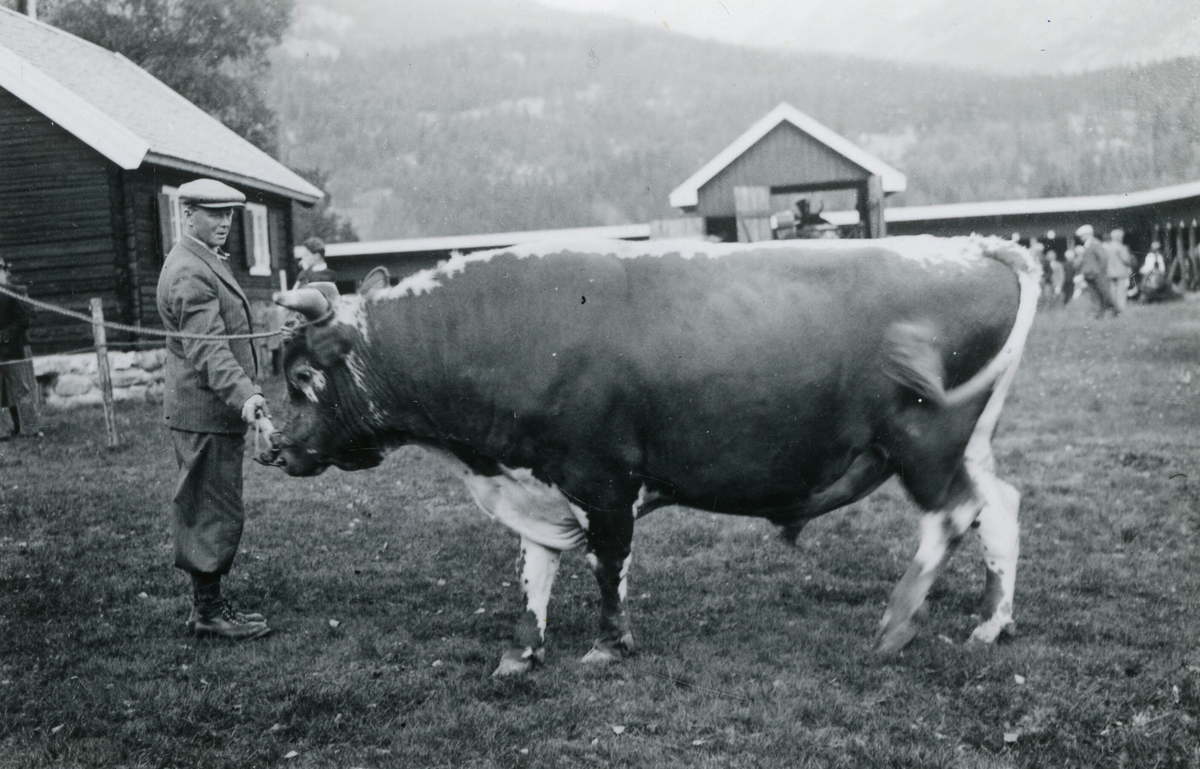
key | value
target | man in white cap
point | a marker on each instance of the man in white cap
(1094, 267)
(210, 397)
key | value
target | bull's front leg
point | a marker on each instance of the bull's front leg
(539, 567)
(610, 540)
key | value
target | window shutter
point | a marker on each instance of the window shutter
(248, 237)
(166, 223)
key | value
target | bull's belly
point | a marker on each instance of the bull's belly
(535, 510)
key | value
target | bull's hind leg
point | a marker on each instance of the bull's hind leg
(941, 531)
(999, 533)
(610, 541)
(539, 567)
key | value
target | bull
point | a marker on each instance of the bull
(578, 387)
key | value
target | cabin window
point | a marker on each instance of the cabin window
(258, 241)
(170, 218)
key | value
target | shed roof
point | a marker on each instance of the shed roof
(688, 193)
(125, 113)
(484, 241)
(1022, 207)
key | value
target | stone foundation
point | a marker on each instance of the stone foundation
(66, 381)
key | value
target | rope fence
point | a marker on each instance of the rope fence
(127, 328)
(99, 324)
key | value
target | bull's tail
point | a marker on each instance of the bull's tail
(914, 361)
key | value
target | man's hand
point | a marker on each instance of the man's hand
(254, 408)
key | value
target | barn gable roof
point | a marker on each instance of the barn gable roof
(125, 113)
(687, 194)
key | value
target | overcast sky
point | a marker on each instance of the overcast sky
(995, 35)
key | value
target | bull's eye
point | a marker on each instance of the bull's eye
(304, 376)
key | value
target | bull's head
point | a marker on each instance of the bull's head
(327, 388)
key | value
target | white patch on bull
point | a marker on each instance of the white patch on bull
(374, 416)
(927, 250)
(537, 511)
(355, 366)
(316, 384)
(539, 567)
(351, 310)
(581, 516)
(622, 586)
(645, 497)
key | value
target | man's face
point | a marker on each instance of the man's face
(307, 258)
(210, 226)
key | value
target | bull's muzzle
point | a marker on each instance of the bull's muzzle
(272, 457)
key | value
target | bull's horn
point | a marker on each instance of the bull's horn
(309, 302)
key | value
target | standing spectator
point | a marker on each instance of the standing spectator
(1057, 273)
(18, 388)
(1038, 250)
(312, 264)
(210, 396)
(1120, 262)
(1093, 265)
(1070, 265)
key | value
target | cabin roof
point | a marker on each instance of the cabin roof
(125, 113)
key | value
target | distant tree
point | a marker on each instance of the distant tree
(213, 52)
(319, 220)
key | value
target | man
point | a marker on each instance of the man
(312, 264)
(210, 397)
(1120, 262)
(1094, 267)
(17, 386)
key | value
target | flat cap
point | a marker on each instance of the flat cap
(210, 193)
(1085, 231)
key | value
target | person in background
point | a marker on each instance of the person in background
(1153, 284)
(209, 398)
(1057, 274)
(18, 388)
(1038, 250)
(1070, 265)
(312, 264)
(1094, 267)
(1120, 262)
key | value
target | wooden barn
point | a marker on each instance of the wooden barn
(92, 151)
(783, 155)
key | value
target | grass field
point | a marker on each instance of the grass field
(392, 598)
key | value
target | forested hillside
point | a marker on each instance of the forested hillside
(530, 130)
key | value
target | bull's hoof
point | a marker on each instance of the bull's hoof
(607, 652)
(989, 632)
(518, 662)
(891, 640)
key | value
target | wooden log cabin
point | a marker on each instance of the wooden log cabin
(92, 151)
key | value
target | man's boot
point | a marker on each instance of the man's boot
(212, 616)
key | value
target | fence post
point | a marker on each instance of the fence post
(110, 417)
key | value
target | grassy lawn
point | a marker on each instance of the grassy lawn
(392, 598)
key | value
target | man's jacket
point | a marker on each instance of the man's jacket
(207, 381)
(14, 321)
(1094, 263)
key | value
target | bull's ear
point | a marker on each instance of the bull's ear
(376, 279)
(330, 343)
